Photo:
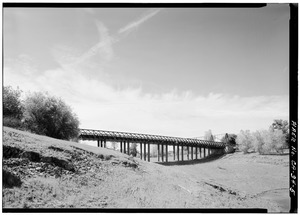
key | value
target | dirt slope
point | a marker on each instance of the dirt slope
(251, 175)
(42, 172)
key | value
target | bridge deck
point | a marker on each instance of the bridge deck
(89, 134)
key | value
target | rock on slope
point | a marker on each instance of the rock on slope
(42, 172)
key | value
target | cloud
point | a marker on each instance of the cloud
(135, 24)
(101, 106)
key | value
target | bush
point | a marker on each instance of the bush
(50, 116)
(12, 122)
(245, 141)
(12, 105)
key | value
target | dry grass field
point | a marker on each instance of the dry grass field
(42, 172)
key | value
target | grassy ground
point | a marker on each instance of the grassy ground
(44, 172)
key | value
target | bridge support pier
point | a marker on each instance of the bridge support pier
(158, 152)
(192, 153)
(178, 152)
(162, 152)
(121, 147)
(173, 152)
(182, 152)
(145, 152)
(204, 152)
(196, 153)
(104, 143)
(166, 152)
(188, 152)
(128, 148)
(200, 152)
(148, 152)
(98, 143)
(141, 153)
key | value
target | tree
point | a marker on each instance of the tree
(12, 106)
(50, 116)
(244, 140)
(133, 150)
(231, 139)
(208, 135)
(268, 141)
(260, 139)
(278, 139)
(283, 126)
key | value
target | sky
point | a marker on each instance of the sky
(166, 71)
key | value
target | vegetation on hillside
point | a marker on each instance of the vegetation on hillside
(39, 113)
(50, 116)
(12, 107)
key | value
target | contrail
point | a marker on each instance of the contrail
(106, 40)
(105, 44)
(138, 22)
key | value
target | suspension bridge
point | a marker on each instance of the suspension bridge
(189, 148)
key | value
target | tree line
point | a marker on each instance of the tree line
(267, 141)
(39, 113)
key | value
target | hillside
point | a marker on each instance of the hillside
(42, 172)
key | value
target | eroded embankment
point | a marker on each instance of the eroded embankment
(42, 172)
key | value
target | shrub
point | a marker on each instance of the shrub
(244, 140)
(50, 116)
(12, 106)
(12, 122)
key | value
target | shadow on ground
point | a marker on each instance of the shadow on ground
(192, 162)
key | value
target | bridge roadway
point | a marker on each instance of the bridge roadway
(203, 148)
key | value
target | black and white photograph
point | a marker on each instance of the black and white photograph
(119, 106)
